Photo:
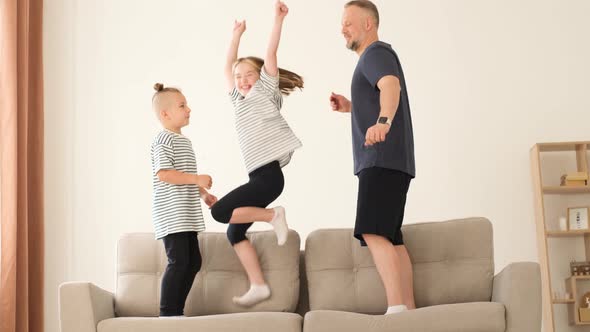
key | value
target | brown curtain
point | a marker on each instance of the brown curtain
(21, 166)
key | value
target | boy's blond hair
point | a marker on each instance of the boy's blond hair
(159, 97)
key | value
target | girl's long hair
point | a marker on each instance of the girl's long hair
(288, 80)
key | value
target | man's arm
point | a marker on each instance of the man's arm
(339, 103)
(390, 89)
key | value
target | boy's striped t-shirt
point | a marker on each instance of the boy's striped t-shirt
(263, 134)
(175, 208)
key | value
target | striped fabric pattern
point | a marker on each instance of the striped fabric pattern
(263, 134)
(175, 208)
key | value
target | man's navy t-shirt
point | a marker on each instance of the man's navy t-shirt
(397, 151)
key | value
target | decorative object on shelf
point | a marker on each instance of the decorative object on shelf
(563, 224)
(585, 308)
(575, 179)
(580, 268)
(578, 218)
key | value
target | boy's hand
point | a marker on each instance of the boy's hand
(209, 199)
(239, 27)
(281, 10)
(204, 181)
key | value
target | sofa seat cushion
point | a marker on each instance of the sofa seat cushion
(243, 322)
(471, 317)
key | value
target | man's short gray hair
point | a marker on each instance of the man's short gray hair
(366, 5)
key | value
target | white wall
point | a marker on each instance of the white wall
(58, 60)
(486, 80)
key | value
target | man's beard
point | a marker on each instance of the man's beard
(353, 46)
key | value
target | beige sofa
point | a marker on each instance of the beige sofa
(333, 285)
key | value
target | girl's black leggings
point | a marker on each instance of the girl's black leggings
(265, 185)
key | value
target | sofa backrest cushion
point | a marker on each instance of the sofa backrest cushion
(452, 263)
(142, 260)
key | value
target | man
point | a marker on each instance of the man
(383, 148)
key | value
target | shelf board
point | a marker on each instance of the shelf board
(567, 233)
(566, 190)
(579, 278)
(563, 301)
(560, 146)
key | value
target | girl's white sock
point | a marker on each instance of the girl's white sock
(396, 309)
(255, 294)
(279, 223)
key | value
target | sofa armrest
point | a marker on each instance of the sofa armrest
(518, 288)
(82, 305)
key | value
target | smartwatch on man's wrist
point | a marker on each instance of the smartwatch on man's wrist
(384, 120)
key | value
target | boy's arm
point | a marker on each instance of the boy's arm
(270, 61)
(232, 53)
(173, 176)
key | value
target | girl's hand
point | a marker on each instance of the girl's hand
(281, 10)
(239, 27)
(210, 200)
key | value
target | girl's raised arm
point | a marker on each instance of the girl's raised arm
(270, 61)
(232, 53)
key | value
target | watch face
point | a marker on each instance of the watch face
(382, 120)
